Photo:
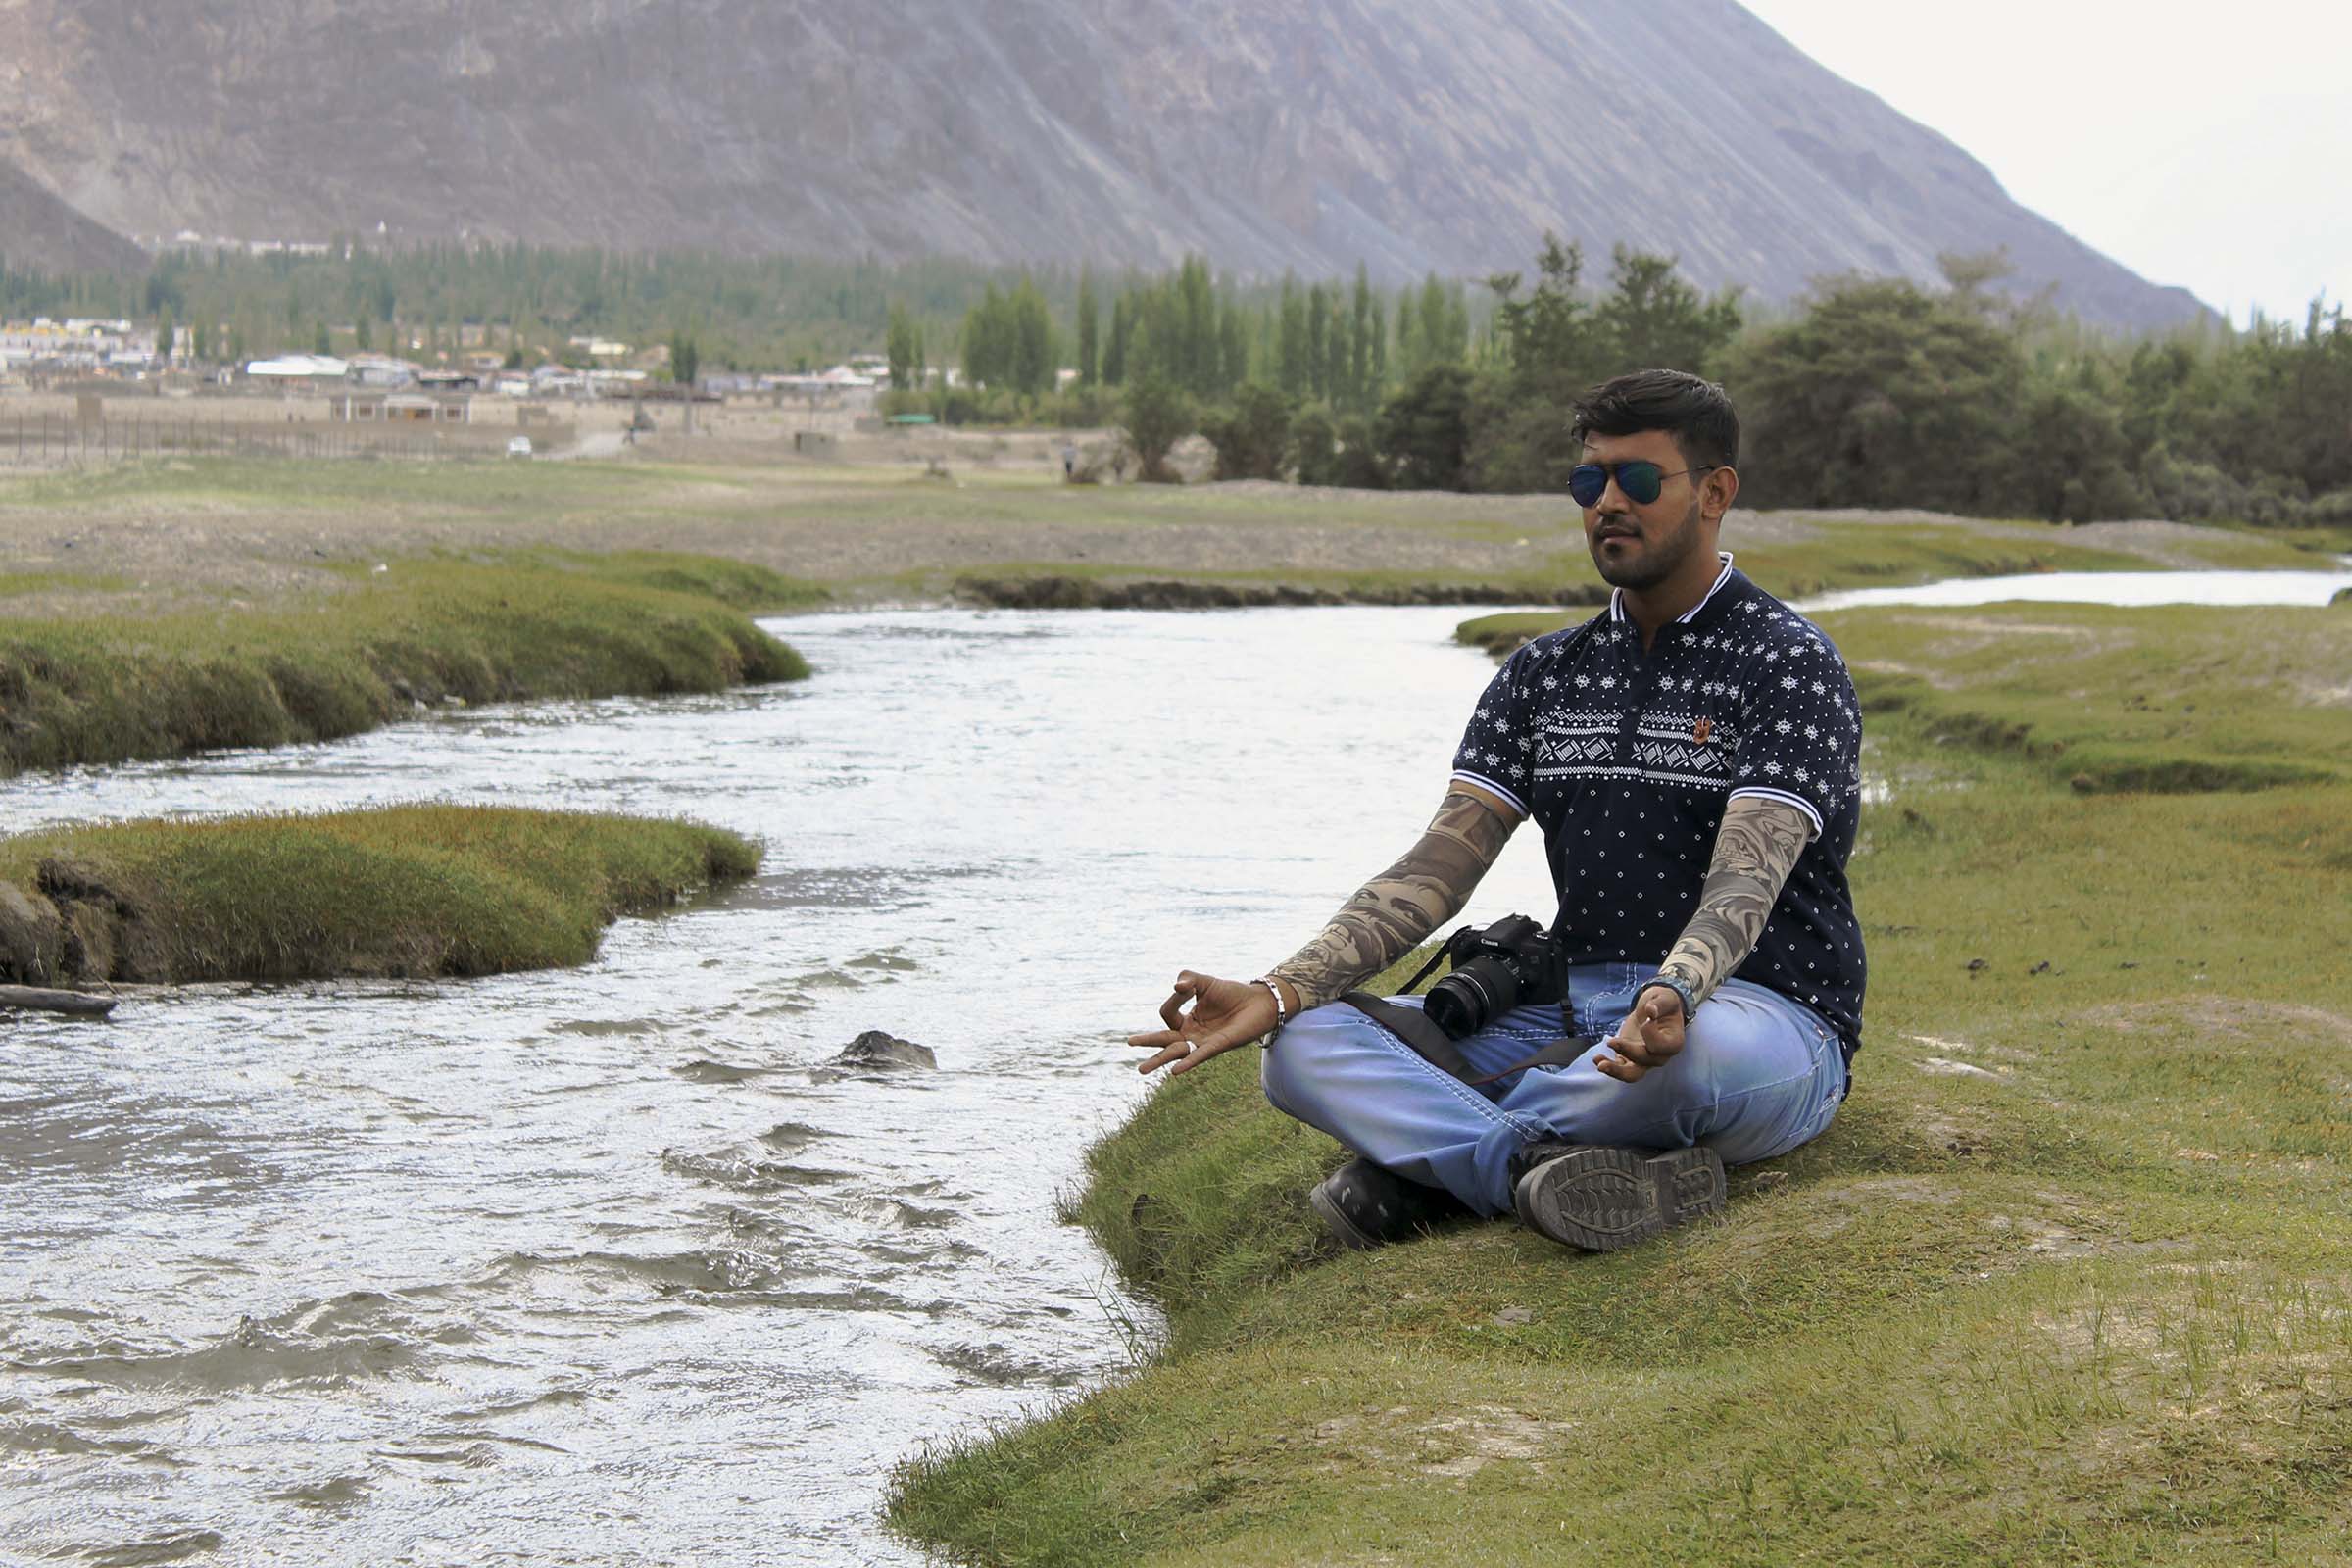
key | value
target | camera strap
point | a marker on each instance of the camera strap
(1413, 1026)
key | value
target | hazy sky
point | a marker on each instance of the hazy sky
(2205, 145)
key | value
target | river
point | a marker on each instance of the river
(601, 1265)
(605, 1265)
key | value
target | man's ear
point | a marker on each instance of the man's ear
(1717, 491)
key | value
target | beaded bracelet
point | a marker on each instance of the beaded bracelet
(1282, 1014)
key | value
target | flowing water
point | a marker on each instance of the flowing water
(2243, 588)
(609, 1265)
(606, 1266)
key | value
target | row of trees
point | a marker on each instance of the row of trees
(1876, 393)
(1009, 331)
(1491, 416)
(749, 313)
(1872, 393)
(1314, 340)
(1885, 394)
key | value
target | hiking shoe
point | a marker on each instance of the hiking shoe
(1601, 1199)
(1367, 1205)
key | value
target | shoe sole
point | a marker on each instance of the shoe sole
(1601, 1200)
(1339, 1224)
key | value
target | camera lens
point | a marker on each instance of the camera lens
(1465, 1000)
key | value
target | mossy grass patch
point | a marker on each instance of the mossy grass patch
(413, 891)
(2174, 698)
(99, 689)
(2064, 1282)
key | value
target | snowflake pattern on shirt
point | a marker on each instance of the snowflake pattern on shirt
(1626, 758)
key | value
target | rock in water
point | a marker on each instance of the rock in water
(875, 1049)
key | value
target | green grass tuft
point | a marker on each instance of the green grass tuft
(107, 689)
(414, 891)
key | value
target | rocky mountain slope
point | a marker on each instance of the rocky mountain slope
(42, 232)
(1411, 133)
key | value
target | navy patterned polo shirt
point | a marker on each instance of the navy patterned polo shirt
(1625, 759)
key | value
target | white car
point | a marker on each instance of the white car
(520, 447)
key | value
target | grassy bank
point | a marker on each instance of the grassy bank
(368, 646)
(1843, 553)
(1536, 554)
(2064, 1283)
(414, 891)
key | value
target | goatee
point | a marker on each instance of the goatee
(1659, 563)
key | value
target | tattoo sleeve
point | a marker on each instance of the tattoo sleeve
(1394, 911)
(1755, 850)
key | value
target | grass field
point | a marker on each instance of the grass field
(418, 891)
(260, 529)
(2068, 1281)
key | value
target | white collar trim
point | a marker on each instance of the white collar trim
(1617, 594)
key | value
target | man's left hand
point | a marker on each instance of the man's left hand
(1650, 1037)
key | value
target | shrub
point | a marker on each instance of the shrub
(1155, 415)
(1424, 430)
(1251, 435)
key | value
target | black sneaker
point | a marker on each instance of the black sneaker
(1601, 1199)
(1367, 1205)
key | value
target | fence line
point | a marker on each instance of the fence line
(65, 440)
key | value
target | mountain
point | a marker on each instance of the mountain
(1411, 134)
(41, 232)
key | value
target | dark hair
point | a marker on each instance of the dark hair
(1694, 410)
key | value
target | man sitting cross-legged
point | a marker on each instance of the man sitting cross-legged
(1691, 756)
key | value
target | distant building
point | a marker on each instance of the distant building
(75, 345)
(401, 407)
(615, 384)
(291, 369)
(381, 370)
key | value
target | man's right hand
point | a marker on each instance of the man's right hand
(1225, 1013)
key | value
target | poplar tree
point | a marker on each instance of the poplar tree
(899, 346)
(1290, 361)
(1114, 353)
(1233, 348)
(1359, 344)
(1030, 363)
(1086, 329)
(1318, 365)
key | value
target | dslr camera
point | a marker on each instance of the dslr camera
(1511, 963)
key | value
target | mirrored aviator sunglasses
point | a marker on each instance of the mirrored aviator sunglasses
(1641, 481)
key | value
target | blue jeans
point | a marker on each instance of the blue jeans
(1758, 1075)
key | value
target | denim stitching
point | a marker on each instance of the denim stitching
(1468, 1095)
(1821, 1046)
(1721, 1100)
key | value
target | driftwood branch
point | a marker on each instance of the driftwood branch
(78, 1004)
